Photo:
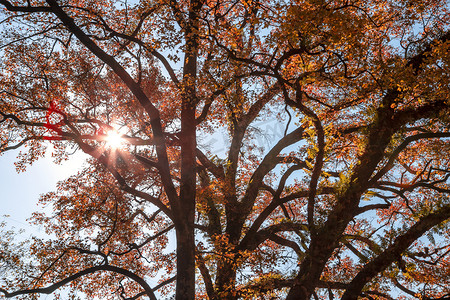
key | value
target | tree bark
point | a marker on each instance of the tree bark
(185, 288)
(185, 207)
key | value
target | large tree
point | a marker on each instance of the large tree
(350, 198)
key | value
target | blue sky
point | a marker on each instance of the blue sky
(20, 191)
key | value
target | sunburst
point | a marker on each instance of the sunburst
(114, 139)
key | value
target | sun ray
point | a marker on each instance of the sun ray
(114, 139)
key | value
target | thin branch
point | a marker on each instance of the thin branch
(28, 8)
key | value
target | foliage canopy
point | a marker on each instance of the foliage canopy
(348, 198)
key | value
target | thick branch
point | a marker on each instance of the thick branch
(391, 254)
(402, 146)
(268, 163)
(253, 241)
(50, 289)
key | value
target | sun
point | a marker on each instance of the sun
(114, 139)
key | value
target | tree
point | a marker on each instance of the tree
(337, 206)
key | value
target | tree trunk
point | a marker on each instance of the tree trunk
(185, 210)
(185, 289)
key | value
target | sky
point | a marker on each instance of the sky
(19, 192)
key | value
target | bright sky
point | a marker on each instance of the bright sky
(19, 192)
